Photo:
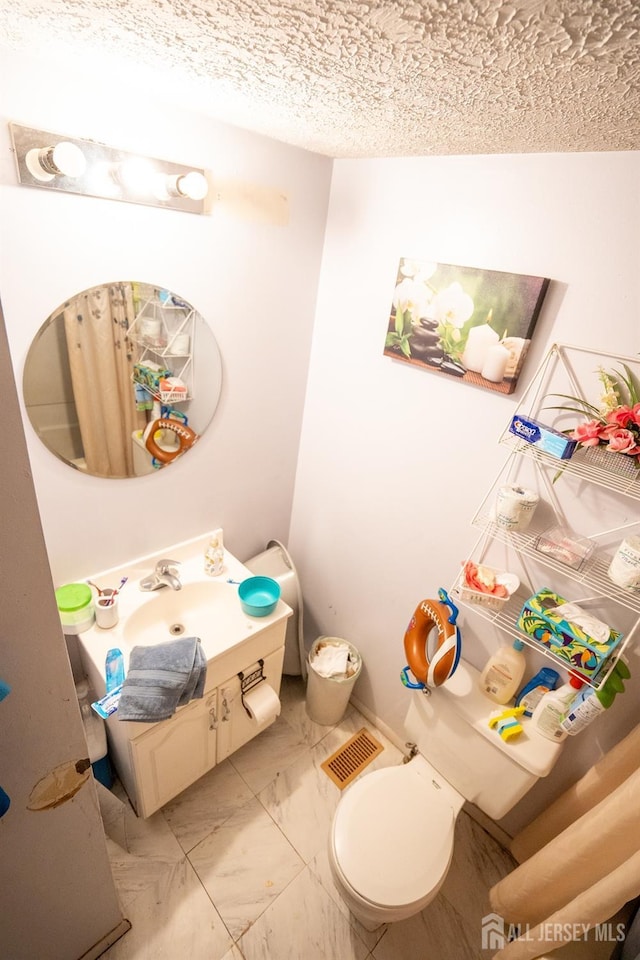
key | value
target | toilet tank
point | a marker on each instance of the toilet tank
(451, 730)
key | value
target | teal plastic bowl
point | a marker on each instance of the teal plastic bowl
(259, 596)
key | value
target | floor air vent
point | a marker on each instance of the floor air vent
(345, 764)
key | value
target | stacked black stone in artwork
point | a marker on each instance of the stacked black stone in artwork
(424, 346)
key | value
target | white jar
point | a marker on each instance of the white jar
(625, 566)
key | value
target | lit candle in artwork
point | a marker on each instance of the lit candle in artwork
(495, 363)
(479, 341)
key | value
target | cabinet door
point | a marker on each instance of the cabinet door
(176, 754)
(236, 727)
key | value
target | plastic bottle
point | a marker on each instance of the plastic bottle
(529, 697)
(94, 731)
(214, 554)
(114, 669)
(551, 709)
(590, 703)
(503, 672)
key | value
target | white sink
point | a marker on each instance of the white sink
(206, 607)
(197, 610)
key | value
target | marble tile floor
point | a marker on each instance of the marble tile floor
(236, 868)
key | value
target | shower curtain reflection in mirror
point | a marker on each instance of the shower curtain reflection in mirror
(100, 359)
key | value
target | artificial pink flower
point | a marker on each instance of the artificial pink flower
(588, 434)
(623, 441)
(621, 416)
(636, 413)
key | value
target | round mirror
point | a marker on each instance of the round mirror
(122, 379)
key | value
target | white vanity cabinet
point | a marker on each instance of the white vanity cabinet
(166, 760)
(170, 756)
(157, 761)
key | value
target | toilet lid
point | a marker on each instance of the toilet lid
(393, 837)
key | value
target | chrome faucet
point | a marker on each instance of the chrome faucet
(165, 575)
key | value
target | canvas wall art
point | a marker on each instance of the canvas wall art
(466, 322)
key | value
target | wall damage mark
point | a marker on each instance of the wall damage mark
(59, 785)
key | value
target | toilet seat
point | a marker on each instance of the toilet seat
(392, 836)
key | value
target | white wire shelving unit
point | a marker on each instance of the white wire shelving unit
(614, 472)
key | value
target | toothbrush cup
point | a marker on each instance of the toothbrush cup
(106, 607)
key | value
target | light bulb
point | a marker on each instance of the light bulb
(163, 187)
(193, 185)
(64, 160)
(170, 186)
(136, 176)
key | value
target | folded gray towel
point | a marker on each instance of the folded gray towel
(162, 678)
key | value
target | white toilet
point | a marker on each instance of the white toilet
(391, 838)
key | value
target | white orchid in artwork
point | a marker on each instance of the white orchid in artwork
(452, 306)
(420, 270)
(412, 297)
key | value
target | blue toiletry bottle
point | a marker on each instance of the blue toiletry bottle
(114, 669)
(533, 691)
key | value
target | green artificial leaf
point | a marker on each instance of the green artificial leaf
(404, 346)
(582, 403)
(629, 383)
(583, 413)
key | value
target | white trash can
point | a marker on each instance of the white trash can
(328, 691)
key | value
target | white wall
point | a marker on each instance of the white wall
(394, 460)
(254, 281)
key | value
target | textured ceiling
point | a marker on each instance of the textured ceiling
(366, 78)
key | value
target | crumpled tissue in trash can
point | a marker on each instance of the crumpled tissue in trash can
(330, 660)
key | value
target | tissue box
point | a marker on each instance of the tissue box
(583, 655)
(150, 375)
(545, 438)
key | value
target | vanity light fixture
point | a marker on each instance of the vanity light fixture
(93, 169)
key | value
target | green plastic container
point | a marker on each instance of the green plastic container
(75, 606)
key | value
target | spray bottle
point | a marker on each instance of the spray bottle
(591, 703)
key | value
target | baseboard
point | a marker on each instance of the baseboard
(390, 734)
(488, 825)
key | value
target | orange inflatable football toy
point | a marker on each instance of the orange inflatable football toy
(441, 615)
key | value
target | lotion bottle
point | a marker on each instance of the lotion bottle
(552, 708)
(503, 672)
